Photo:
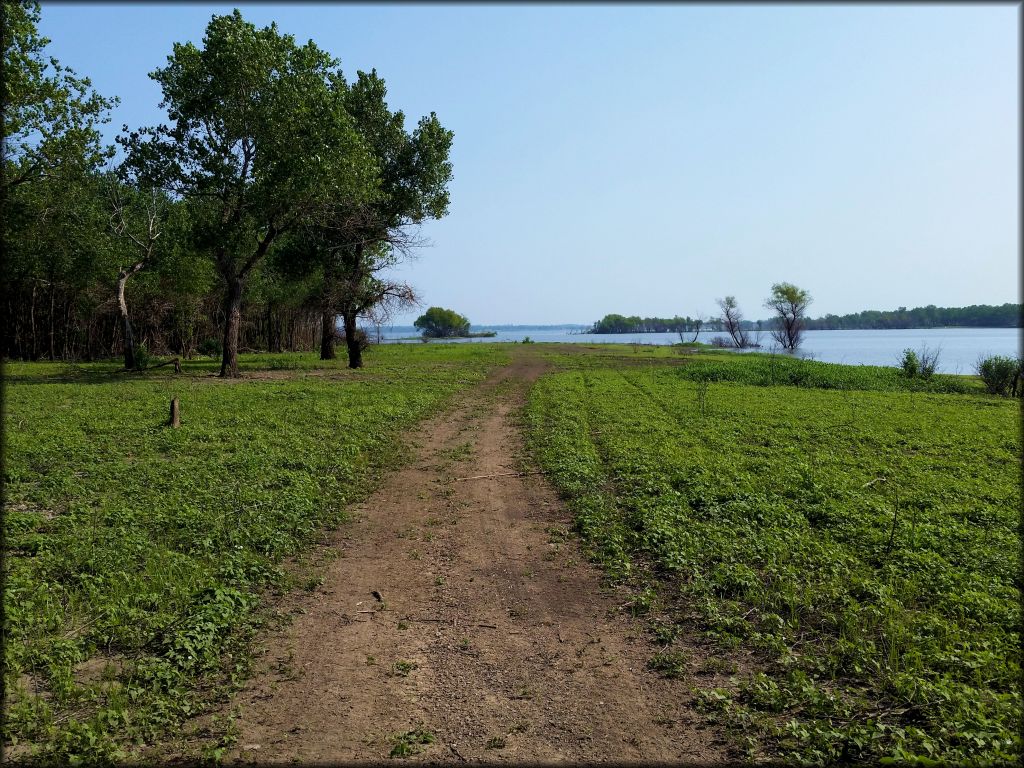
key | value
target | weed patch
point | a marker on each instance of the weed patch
(411, 742)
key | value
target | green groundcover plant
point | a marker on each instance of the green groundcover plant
(864, 545)
(138, 556)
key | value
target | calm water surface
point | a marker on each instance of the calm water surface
(959, 348)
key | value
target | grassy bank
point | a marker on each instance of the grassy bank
(859, 538)
(138, 556)
(765, 369)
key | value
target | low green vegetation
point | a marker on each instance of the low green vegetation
(411, 742)
(920, 364)
(847, 534)
(697, 362)
(139, 556)
(402, 668)
(1002, 375)
(767, 370)
(495, 742)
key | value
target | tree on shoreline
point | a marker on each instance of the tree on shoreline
(698, 321)
(790, 305)
(732, 319)
(440, 323)
(615, 323)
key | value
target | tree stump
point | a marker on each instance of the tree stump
(175, 414)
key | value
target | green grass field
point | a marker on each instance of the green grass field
(860, 539)
(849, 536)
(138, 555)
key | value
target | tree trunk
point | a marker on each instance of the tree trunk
(232, 324)
(327, 352)
(32, 315)
(272, 343)
(355, 354)
(53, 291)
(130, 359)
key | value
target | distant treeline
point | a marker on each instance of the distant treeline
(634, 324)
(974, 316)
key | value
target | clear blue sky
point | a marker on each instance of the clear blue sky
(647, 160)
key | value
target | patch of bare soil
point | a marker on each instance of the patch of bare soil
(460, 607)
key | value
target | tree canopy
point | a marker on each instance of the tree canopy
(272, 198)
(438, 323)
(259, 140)
(614, 323)
(51, 117)
(356, 240)
(790, 306)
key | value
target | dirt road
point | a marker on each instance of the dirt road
(459, 607)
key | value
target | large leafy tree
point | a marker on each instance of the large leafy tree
(360, 242)
(439, 323)
(51, 224)
(260, 142)
(349, 281)
(56, 250)
(51, 117)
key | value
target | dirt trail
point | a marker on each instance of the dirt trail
(494, 634)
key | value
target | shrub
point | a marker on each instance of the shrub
(929, 361)
(920, 364)
(142, 357)
(212, 347)
(999, 374)
(909, 363)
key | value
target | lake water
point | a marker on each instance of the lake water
(959, 347)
